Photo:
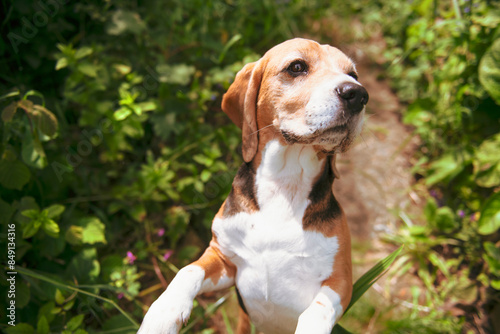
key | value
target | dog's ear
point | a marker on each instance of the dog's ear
(240, 104)
(333, 166)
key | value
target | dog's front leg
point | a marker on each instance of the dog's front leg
(167, 314)
(333, 297)
(322, 313)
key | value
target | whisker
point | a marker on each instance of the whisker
(364, 141)
(260, 129)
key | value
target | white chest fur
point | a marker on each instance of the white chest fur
(280, 267)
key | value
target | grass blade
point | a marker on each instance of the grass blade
(371, 276)
(366, 281)
(41, 277)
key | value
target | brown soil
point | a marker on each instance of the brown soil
(375, 173)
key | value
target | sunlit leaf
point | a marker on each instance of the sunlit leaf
(32, 151)
(61, 63)
(125, 21)
(489, 71)
(31, 228)
(88, 69)
(75, 322)
(489, 222)
(93, 230)
(55, 210)
(74, 235)
(45, 119)
(446, 167)
(122, 113)
(83, 52)
(51, 228)
(180, 74)
(9, 111)
(371, 276)
(59, 297)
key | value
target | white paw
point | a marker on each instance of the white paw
(166, 316)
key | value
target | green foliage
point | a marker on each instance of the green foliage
(443, 58)
(114, 152)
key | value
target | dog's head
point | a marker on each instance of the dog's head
(304, 92)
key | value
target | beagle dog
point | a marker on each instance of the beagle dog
(280, 236)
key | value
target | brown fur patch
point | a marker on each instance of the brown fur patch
(324, 213)
(215, 264)
(341, 279)
(242, 196)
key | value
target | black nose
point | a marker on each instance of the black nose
(354, 96)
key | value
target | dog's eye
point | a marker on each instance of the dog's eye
(297, 67)
(353, 74)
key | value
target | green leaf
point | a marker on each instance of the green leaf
(32, 151)
(122, 113)
(446, 167)
(75, 322)
(51, 228)
(45, 120)
(489, 71)
(13, 174)
(88, 69)
(228, 45)
(93, 231)
(81, 331)
(43, 326)
(487, 163)
(371, 276)
(203, 160)
(59, 297)
(31, 228)
(179, 74)
(89, 230)
(55, 210)
(31, 213)
(10, 94)
(74, 235)
(21, 328)
(492, 250)
(9, 111)
(147, 105)
(489, 222)
(495, 284)
(83, 52)
(61, 63)
(26, 105)
(125, 21)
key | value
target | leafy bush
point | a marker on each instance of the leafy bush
(114, 152)
(443, 59)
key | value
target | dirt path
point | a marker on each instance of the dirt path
(375, 172)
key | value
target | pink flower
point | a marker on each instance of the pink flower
(161, 232)
(131, 257)
(120, 295)
(167, 255)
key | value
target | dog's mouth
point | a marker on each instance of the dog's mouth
(326, 136)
